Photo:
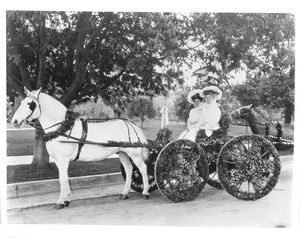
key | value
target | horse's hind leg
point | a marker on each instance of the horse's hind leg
(125, 160)
(64, 197)
(137, 159)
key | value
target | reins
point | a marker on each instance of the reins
(156, 131)
(34, 125)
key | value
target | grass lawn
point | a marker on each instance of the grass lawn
(21, 143)
(29, 172)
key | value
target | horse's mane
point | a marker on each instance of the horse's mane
(52, 106)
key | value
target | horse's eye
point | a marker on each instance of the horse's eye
(32, 105)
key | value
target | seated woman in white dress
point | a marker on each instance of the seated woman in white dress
(194, 115)
(211, 112)
(206, 115)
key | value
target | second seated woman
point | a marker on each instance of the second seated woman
(194, 115)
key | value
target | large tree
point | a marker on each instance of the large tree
(76, 55)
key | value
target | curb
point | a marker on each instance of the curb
(49, 186)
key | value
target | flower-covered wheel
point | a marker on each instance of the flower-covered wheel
(137, 179)
(248, 167)
(181, 170)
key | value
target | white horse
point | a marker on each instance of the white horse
(51, 113)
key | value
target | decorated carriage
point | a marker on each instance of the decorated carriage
(246, 166)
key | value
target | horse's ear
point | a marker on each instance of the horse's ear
(27, 92)
(37, 92)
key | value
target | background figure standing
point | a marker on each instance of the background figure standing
(194, 116)
(164, 116)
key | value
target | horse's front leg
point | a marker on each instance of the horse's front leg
(64, 197)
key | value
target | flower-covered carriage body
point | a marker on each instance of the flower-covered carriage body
(247, 166)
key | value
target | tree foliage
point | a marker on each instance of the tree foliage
(261, 44)
(76, 55)
(121, 55)
(252, 41)
(182, 106)
(274, 91)
(141, 108)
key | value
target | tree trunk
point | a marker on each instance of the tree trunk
(288, 113)
(40, 154)
(142, 123)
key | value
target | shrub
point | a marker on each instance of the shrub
(93, 109)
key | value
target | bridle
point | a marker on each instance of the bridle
(32, 107)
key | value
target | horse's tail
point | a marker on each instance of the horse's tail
(140, 138)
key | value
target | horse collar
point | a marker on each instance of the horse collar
(65, 126)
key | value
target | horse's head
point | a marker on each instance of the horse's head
(242, 112)
(29, 108)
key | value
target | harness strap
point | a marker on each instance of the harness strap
(129, 139)
(133, 130)
(279, 131)
(267, 129)
(83, 137)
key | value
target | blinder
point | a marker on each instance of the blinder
(32, 105)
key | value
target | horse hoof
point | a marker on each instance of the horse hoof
(123, 196)
(59, 206)
(147, 197)
(67, 203)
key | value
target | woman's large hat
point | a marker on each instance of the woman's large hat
(213, 90)
(194, 94)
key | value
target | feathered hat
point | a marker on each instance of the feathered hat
(193, 95)
(213, 90)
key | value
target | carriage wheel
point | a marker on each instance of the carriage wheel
(181, 170)
(248, 167)
(137, 179)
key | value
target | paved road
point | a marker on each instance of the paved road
(213, 208)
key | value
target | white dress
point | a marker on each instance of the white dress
(206, 116)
